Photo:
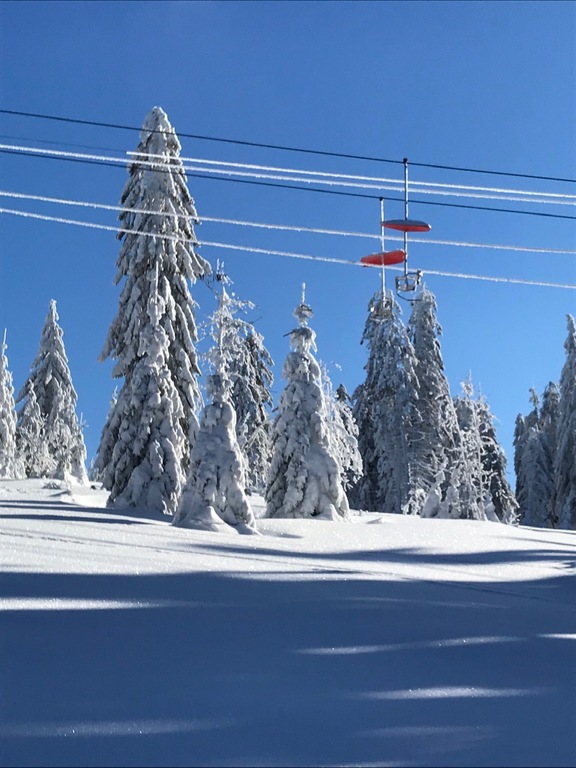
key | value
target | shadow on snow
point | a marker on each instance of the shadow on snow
(209, 669)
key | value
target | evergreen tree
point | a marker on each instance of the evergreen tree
(31, 448)
(48, 424)
(246, 363)
(524, 427)
(520, 436)
(214, 491)
(345, 435)
(145, 463)
(304, 476)
(473, 503)
(252, 400)
(485, 493)
(565, 459)
(386, 411)
(500, 498)
(438, 447)
(535, 466)
(398, 424)
(365, 494)
(8, 466)
(151, 427)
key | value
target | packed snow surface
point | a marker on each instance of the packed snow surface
(385, 640)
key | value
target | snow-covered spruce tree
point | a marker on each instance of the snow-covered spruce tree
(365, 494)
(214, 493)
(345, 435)
(523, 427)
(501, 499)
(252, 398)
(50, 418)
(487, 494)
(535, 449)
(386, 411)
(246, 363)
(145, 467)
(95, 472)
(157, 261)
(438, 451)
(398, 423)
(565, 460)
(31, 448)
(8, 466)
(474, 504)
(304, 476)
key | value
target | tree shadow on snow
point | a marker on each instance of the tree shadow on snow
(69, 518)
(416, 556)
(205, 669)
(109, 514)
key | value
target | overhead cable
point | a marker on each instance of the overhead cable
(275, 173)
(431, 187)
(302, 150)
(278, 227)
(92, 160)
(269, 252)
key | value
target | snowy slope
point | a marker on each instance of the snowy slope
(385, 640)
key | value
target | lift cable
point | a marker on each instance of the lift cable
(313, 189)
(283, 148)
(278, 227)
(265, 251)
(277, 173)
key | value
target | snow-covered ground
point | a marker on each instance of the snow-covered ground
(382, 641)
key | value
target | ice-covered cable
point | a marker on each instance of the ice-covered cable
(288, 254)
(418, 186)
(285, 227)
(319, 177)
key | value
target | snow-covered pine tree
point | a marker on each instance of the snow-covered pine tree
(8, 466)
(31, 449)
(50, 418)
(565, 460)
(215, 488)
(246, 363)
(343, 431)
(345, 434)
(473, 503)
(501, 500)
(519, 443)
(534, 459)
(398, 423)
(252, 398)
(523, 428)
(438, 447)
(157, 261)
(365, 494)
(487, 494)
(386, 412)
(304, 476)
(145, 467)
(96, 473)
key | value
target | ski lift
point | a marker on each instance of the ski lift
(407, 225)
(382, 309)
(409, 281)
(384, 259)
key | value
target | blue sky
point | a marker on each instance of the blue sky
(476, 85)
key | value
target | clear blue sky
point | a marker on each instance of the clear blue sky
(480, 85)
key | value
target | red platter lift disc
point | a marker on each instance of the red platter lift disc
(407, 225)
(384, 259)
